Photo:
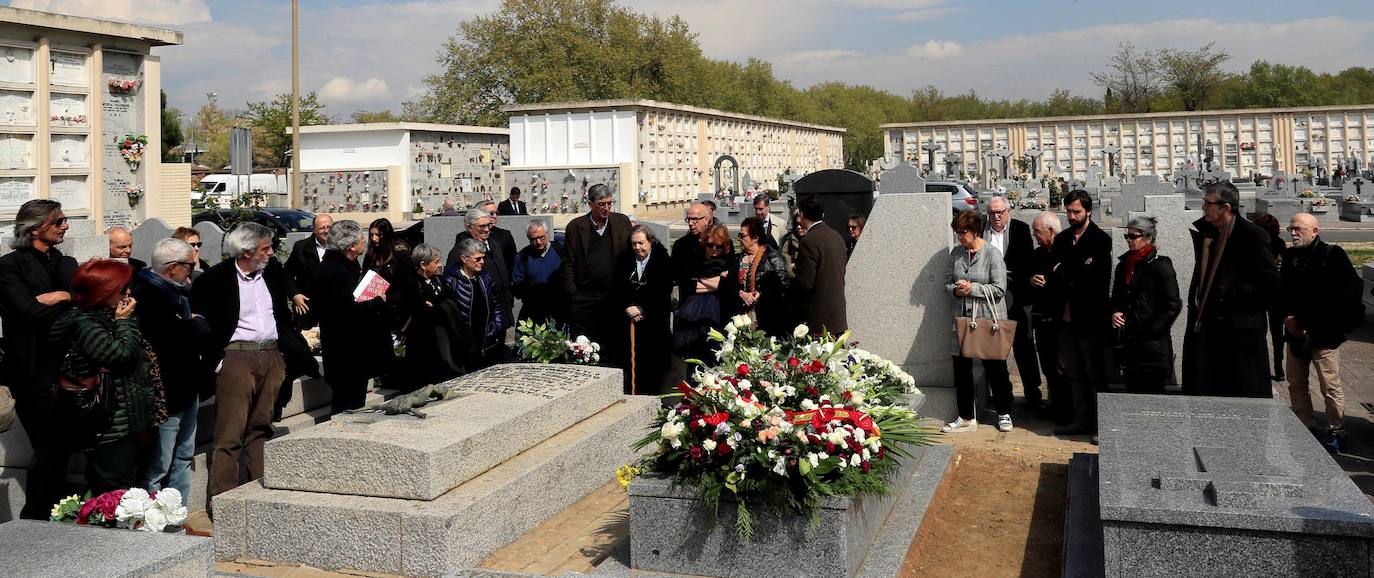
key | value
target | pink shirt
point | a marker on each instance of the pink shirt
(256, 320)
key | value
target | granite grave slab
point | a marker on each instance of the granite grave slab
(35, 549)
(1203, 486)
(502, 411)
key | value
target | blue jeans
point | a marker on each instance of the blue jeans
(170, 456)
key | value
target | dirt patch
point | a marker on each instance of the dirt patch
(1000, 509)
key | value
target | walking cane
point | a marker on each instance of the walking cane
(632, 357)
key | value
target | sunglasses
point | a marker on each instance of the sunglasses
(58, 222)
(476, 257)
(197, 244)
(1132, 236)
(715, 246)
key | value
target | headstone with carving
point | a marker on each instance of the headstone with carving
(1204, 486)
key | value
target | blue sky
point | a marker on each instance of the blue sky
(374, 54)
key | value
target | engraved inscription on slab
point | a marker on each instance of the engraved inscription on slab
(544, 381)
(1232, 478)
(68, 110)
(16, 107)
(69, 68)
(15, 191)
(16, 64)
(69, 150)
(16, 151)
(72, 191)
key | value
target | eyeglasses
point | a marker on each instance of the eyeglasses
(999, 213)
(1299, 229)
(694, 219)
(539, 238)
(484, 227)
(476, 257)
(184, 263)
(197, 244)
(1132, 236)
(1213, 203)
(58, 222)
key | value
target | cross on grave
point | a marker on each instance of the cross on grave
(1034, 155)
(952, 162)
(1173, 224)
(930, 147)
(1002, 152)
(1357, 182)
(1111, 150)
(1238, 477)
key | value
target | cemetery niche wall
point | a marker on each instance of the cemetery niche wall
(563, 190)
(465, 168)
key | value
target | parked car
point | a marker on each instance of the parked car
(962, 196)
(281, 220)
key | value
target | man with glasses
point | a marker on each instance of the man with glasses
(592, 244)
(35, 280)
(1234, 280)
(1077, 291)
(167, 324)
(535, 268)
(687, 253)
(1012, 238)
(305, 261)
(499, 236)
(479, 225)
(773, 227)
(1317, 328)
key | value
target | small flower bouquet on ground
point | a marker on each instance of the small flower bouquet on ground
(134, 509)
(785, 423)
(545, 343)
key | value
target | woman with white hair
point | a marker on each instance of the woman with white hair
(354, 339)
(1145, 304)
(428, 311)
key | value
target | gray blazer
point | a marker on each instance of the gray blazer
(988, 272)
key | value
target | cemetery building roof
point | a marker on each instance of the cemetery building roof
(1124, 116)
(109, 28)
(380, 126)
(644, 104)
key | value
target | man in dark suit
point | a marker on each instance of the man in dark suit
(1012, 239)
(35, 280)
(592, 244)
(1234, 280)
(251, 346)
(687, 254)
(513, 205)
(820, 272)
(305, 260)
(1078, 296)
(501, 237)
(480, 225)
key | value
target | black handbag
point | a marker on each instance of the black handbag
(89, 399)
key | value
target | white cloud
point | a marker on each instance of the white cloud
(936, 50)
(340, 89)
(924, 14)
(812, 56)
(172, 12)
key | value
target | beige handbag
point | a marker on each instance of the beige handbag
(981, 338)
(7, 416)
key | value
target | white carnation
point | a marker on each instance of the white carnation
(801, 331)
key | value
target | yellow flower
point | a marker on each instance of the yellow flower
(624, 474)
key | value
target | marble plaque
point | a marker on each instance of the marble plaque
(15, 191)
(68, 110)
(73, 192)
(69, 68)
(16, 107)
(16, 64)
(69, 151)
(16, 151)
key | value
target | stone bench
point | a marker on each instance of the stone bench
(35, 549)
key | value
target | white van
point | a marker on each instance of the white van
(225, 188)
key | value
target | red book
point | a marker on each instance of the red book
(372, 286)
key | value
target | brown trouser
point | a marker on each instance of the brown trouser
(245, 392)
(1328, 364)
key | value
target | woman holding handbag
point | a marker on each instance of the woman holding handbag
(109, 385)
(977, 283)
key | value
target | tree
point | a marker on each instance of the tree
(271, 121)
(171, 131)
(210, 132)
(1131, 78)
(365, 116)
(552, 50)
(1193, 75)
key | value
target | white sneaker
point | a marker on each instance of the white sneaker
(960, 425)
(1004, 422)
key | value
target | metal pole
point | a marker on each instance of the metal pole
(293, 195)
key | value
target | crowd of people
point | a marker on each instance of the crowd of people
(111, 357)
(1075, 315)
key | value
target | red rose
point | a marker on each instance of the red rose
(743, 369)
(793, 362)
(87, 509)
(723, 449)
(716, 419)
(695, 451)
(817, 366)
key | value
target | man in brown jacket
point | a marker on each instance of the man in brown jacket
(592, 243)
(820, 272)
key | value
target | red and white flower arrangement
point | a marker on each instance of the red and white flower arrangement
(134, 508)
(131, 149)
(785, 423)
(70, 119)
(121, 86)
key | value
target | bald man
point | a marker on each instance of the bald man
(122, 247)
(1316, 328)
